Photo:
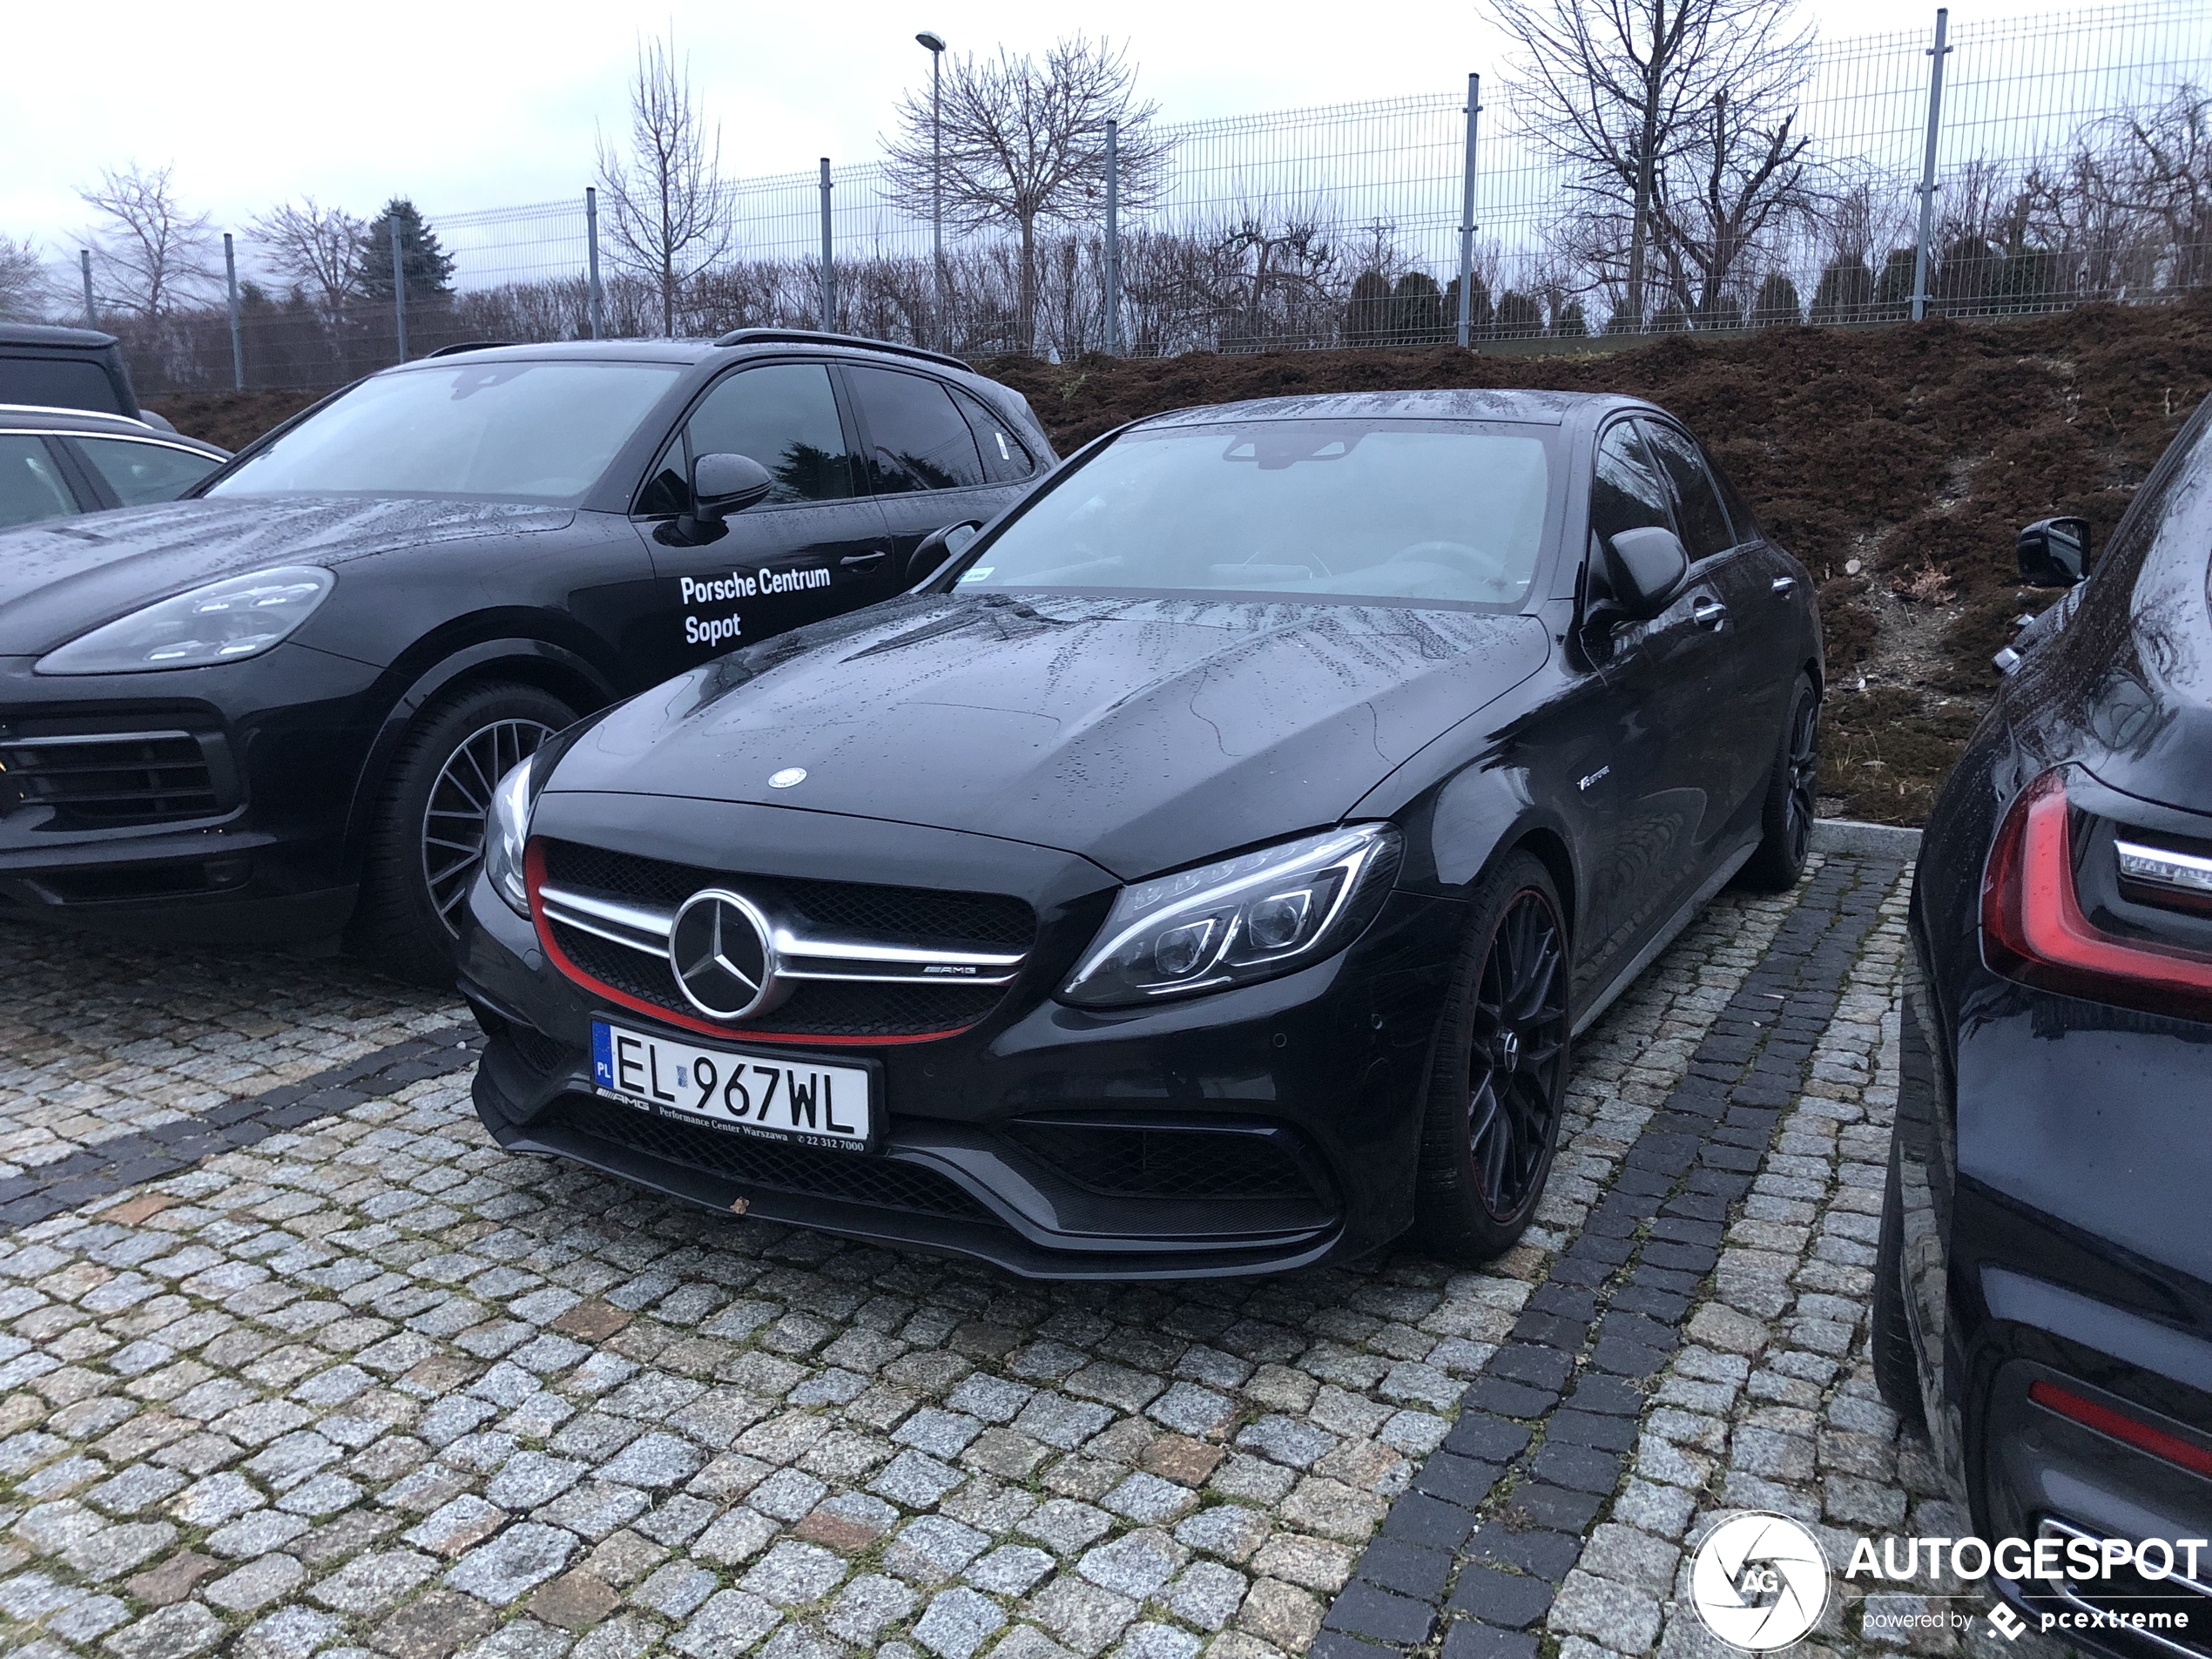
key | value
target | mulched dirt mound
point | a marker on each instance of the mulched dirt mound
(232, 419)
(1896, 462)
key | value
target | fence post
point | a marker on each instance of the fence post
(1921, 259)
(595, 301)
(1113, 238)
(238, 344)
(91, 311)
(1467, 218)
(829, 274)
(399, 284)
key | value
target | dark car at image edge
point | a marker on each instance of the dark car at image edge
(2043, 1283)
(271, 712)
(1204, 874)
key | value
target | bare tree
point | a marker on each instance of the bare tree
(669, 215)
(1024, 144)
(1617, 90)
(149, 251)
(2162, 171)
(1752, 179)
(318, 248)
(23, 281)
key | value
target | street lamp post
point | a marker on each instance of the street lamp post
(934, 42)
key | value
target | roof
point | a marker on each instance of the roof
(1458, 403)
(691, 351)
(26, 417)
(37, 333)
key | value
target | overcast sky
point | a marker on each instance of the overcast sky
(464, 104)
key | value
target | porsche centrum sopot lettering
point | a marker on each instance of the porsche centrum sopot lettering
(738, 585)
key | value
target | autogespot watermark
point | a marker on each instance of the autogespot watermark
(1761, 1581)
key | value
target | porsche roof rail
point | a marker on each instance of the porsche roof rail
(810, 337)
(466, 345)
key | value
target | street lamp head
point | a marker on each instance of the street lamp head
(931, 39)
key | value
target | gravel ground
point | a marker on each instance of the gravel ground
(292, 1360)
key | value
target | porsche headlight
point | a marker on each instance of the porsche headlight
(1241, 919)
(225, 622)
(507, 834)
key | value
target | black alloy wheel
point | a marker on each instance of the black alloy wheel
(1786, 816)
(426, 844)
(1499, 1077)
(453, 819)
(1520, 1050)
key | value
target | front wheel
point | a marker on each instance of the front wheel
(1785, 817)
(428, 838)
(1500, 1070)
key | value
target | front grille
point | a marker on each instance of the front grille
(1138, 1161)
(99, 780)
(859, 1178)
(915, 916)
(542, 1053)
(907, 915)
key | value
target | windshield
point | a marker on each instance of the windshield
(526, 431)
(1425, 510)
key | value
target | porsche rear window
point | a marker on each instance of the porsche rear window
(1437, 511)
(508, 431)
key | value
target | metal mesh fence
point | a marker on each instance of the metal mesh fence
(2074, 163)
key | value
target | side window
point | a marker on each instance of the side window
(142, 473)
(73, 383)
(1007, 460)
(1700, 519)
(920, 441)
(668, 488)
(31, 485)
(782, 414)
(1625, 493)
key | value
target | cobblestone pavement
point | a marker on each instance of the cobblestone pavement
(344, 1377)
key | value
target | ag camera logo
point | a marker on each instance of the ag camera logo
(1759, 1581)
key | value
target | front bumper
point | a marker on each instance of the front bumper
(205, 806)
(1322, 1073)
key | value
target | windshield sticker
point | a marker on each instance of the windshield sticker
(978, 574)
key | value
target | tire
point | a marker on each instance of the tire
(1491, 1120)
(1785, 817)
(1897, 1364)
(427, 839)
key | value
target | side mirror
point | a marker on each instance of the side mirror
(938, 547)
(722, 484)
(2054, 552)
(1646, 568)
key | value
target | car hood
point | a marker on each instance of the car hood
(1140, 733)
(66, 575)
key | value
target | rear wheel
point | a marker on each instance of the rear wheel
(1786, 816)
(1897, 1367)
(428, 838)
(1499, 1072)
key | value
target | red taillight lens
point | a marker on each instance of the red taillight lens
(2033, 929)
(2120, 1427)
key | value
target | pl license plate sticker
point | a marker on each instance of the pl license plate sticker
(778, 1096)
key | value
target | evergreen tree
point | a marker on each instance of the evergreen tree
(429, 268)
(1367, 319)
(1571, 323)
(1417, 304)
(1846, 289)
(1478, 313)
(1521, 316)
(1775, 303)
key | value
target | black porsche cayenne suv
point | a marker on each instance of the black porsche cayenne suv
(1205, 873)
(2043, 1285)
(274, 711)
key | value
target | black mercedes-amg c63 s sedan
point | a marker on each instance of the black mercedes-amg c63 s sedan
(2043, 1285)
(1204, 872)
(274, 711)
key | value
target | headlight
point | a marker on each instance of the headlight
(1242, 918)
(507, 834)
(223, 622)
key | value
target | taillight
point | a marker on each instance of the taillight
(2032, 928)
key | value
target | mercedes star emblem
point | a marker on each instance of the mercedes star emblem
(719, 949)
(787, 777)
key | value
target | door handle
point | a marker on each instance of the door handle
(863, 561)
(1785, 583)
(1708, 613)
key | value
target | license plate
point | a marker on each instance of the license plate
(778, 1096)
